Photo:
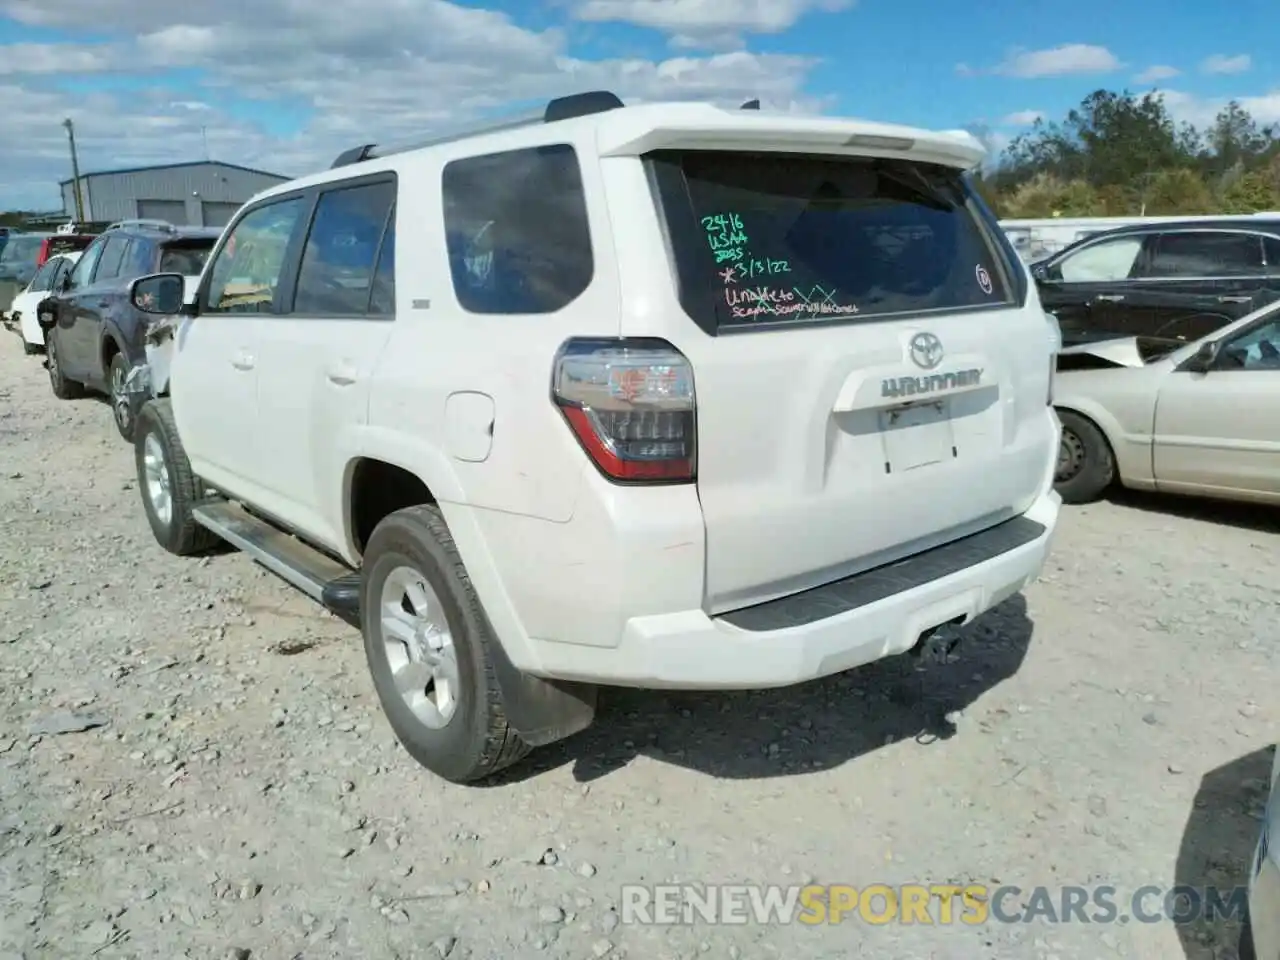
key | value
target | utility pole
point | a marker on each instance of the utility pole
(75, 169)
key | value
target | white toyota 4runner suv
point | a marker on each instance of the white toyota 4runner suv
(661, 396)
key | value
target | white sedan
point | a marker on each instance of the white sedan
(22, 312)
(1199, 418)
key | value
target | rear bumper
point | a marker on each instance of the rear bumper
(825, 631)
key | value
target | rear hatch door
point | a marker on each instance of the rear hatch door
(870, 381)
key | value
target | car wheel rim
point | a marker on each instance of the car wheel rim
(156, 477)
(52, 354)
(119, 399)
(419, 647)
(1071, 457)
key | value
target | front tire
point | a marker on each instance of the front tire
(1086, 465)
(169, 489)
(123, 407)
(427, 642)
(63, 388)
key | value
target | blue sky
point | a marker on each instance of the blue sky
(266, 83)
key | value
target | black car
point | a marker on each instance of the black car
(93, 333)
(1176, 280)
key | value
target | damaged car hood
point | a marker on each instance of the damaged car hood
(1120, 352)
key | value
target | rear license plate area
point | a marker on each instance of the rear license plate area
(917, 436)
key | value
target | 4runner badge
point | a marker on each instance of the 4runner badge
(933, 383)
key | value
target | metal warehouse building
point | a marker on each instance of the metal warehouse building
(203, 193)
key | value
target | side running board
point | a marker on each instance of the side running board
(317, 575)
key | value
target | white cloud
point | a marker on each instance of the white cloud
(389, 69)
(1221, 63)
(1157, 73)
(1065, 60)
(701, 23)
(1200, 111)
(1022, 118)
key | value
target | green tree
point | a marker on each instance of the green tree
(1048, 196)
(1111, 138)
(1175, 192)
(1252, 193)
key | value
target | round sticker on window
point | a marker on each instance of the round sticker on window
(984, 279)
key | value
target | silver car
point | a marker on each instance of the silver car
(1193, 418)
(1264, 878)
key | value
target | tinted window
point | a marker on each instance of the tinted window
(43, 279)
(516, 228)
(336, 275)
(1103, 262)
(186, 257)
(18, 258)
(1272, 248)
(382, 302)
(1206, 254)
(112, 258)
(769, 238)
(246, 273)
(84, 266)
(1259, 349)
(140, 259)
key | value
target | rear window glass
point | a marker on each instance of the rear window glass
(766, 238)
(68, 243)
(186, 258)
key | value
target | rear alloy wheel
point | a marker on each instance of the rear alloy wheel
(427, 641)
(123, 408)
(63, 388)
(1086, 466)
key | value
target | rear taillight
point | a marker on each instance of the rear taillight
(1055, 345)
(630, 403)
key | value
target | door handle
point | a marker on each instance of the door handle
(1108, 298)
(1229, 299)
(243, 361)
(342, 376)
(103, 304)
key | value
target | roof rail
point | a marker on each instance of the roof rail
(561, 108)
(164, 225)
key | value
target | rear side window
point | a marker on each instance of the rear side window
(516, 229)
(112, 258)
(343, 245)
(767, 238)
(1207, 254)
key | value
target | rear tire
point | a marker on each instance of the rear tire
(1086, 465)
(437, 646)
(124, 409)
(168, 487)
(63, 388)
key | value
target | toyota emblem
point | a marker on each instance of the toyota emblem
(926, 350)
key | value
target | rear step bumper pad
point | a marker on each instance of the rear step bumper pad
(833, 599)
(823, 631)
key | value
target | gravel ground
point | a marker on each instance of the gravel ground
(240, 795)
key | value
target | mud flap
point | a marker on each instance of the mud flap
(542, 711)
